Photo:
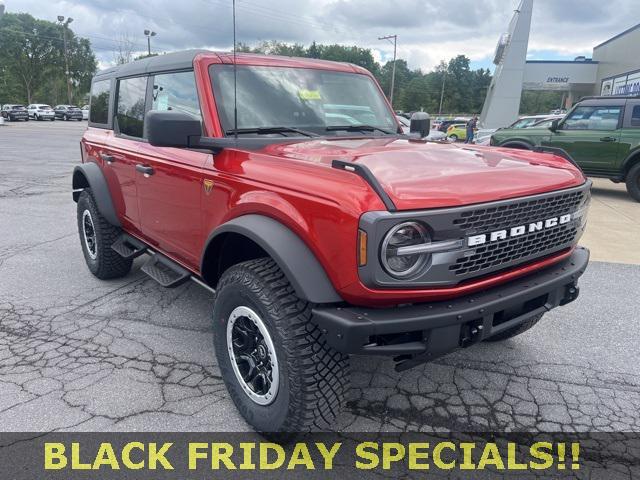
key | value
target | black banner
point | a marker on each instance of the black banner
(131, 456)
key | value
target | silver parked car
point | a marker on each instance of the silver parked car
(41, 111)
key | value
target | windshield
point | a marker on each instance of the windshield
(301, 98)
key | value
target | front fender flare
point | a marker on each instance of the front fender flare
(521, 144)
(90, 175)
(297, 261)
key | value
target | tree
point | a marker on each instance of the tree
(32, 59)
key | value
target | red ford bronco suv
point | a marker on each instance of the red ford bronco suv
(284, 186)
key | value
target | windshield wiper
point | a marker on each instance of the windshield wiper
(267, 130)
(359, 128)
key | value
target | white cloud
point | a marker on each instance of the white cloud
(428, 32)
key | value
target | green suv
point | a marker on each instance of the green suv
(602, 135)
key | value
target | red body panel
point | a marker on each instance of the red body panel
(295, 184)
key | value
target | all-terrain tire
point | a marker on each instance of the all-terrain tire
(515, 331)
(101, 259)
(633, 182)
(313, 378)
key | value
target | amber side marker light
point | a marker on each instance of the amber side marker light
(362, 248)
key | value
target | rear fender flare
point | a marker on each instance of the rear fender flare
(630, 161)
(89, 175)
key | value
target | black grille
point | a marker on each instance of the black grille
(504, 217)
(514, 214)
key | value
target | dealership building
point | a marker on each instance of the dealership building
(613, 69)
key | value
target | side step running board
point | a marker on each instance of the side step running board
(128, 247)
(164, 271)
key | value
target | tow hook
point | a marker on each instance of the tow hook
(571, 292)
(471, 333)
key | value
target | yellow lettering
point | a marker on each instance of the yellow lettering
(387, 457)
(106, 456)
(264, 456)
(491, 456)
(538, 451)
(467, 456)
(54, 457)
(126, 455)
(218, 455)
(196, 454)
(300, 456)
(512, 458)
(158, 456)
(328, 454)
(416, 454)
(247, 464)
(362, 452)
(75, 458)
(437, 455)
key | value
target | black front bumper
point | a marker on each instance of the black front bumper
(419, 333)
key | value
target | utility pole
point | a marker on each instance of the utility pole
(444, 78)
(149, 34)
(393, 70)
(65, 26)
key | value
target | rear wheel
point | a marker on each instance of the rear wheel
(515, 331)
(96, 237)
(279, 371)
(633, 182)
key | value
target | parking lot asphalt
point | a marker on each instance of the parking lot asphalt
(77, 353)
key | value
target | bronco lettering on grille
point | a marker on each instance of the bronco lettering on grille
(518, 231)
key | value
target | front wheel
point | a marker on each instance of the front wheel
(453, 138)
(96, 237)
(279, 371)
(633, 182)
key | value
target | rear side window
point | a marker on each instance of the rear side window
(99, 112)
(635, 116)
(131, 106)
(177, 92)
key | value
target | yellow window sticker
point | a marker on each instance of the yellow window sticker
(309, 95)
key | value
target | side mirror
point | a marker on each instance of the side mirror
(554, 126)
(420, 124)
(165, 128)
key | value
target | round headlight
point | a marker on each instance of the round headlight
(404, 235)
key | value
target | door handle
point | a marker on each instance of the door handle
(144, 169)
(107, 158)
(608, 139)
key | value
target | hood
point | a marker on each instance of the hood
(419, 175)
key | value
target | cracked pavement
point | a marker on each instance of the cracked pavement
(81, 354)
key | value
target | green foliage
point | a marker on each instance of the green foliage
(465, 89)
(33, 63)
(535, 102)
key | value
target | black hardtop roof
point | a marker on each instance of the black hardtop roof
(168, 61)
(179, 61)
(613, 100)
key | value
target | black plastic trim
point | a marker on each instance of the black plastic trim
(560, 152)
(92, 173)
(364, 172)
(442, 324)
(297, 261)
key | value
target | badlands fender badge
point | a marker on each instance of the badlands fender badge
(208, 186)
(518, 231)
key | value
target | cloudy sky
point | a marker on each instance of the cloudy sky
(428, 31)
